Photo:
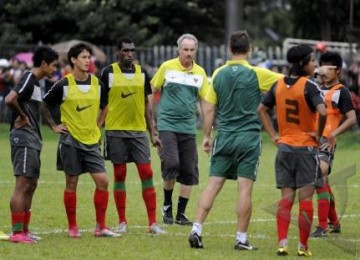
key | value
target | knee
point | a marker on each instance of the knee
(120, 172)
(171, 165)
(102, 182)
(145, 171)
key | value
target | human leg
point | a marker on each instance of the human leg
(244, 209)
(170, 166)
(120, 191)
(305, 216)
(70, 201)
(189, 174)
(323, 202)
(204, 206)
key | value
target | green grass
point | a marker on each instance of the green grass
(49, 218)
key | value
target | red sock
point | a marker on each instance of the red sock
(17, 222)
(120, 190)
(305, 218)
(101, 199)
(283, 218)
(323, 200)
(27, 216)
(333, 217)
(148, 191)
(70, 207)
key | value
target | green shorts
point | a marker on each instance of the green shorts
(236, 155)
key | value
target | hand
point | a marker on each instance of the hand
(60, 129)
(207, 145)
(275, 139)
(330, 144)
(156, 142)
(21, 121)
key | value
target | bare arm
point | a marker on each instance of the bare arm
(267, 124)
(11, 101)
(59, 129)
(102, 116)
(321, 109)
(208, 111)
(150, 122)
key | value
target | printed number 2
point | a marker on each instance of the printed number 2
(292, 111)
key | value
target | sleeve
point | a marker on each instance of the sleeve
(266, 78)
(205, 86)
(159, 78)
(269, 99)
(55, 95)
(345, 101)
(313, 95)
(104, 76)
(25, 87)
(211, 95)
(104, 99)
(147, 86)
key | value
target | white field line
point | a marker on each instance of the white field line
(142, 229)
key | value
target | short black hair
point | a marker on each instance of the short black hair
(76, 50)
(240, 42)
(332, 57)
(124, 39)
(299, 56)
(44, 53)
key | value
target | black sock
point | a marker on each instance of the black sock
(168, 197)
(182, 205)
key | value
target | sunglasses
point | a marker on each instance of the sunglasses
(128, 50)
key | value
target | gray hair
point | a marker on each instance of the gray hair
(187, 36)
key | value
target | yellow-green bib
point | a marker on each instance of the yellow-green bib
(126, 101)
(79, 111)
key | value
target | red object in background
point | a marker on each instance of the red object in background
(320, 47)
(355, 100)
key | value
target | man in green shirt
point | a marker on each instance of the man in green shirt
(234, 96)
(181, 82)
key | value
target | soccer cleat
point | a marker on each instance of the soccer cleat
(105, 232)
(244, 246)
(195, 241)
(168, 218)
(32, 236)
(181, 219)
(156, 229)
(122, 228)
(282, 251)
(74, 232)
(319, 232)
(21, 238)
(3, 236)
(304, 252)
(334, 228)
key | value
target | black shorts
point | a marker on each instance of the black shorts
(179, 158)
(26, 161)
(74, 161)
(126, 150)
(295, 170)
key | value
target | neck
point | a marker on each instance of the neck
(188, 65)
(80, 75)
(332, 83)
(239, 57)
(125, 66)
(37, 72)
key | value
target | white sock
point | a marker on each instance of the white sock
(283, 242)
(241, 236)
(197, 228)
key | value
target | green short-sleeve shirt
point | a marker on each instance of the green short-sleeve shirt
(180, 90)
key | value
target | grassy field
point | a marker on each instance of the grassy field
(49, 219)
